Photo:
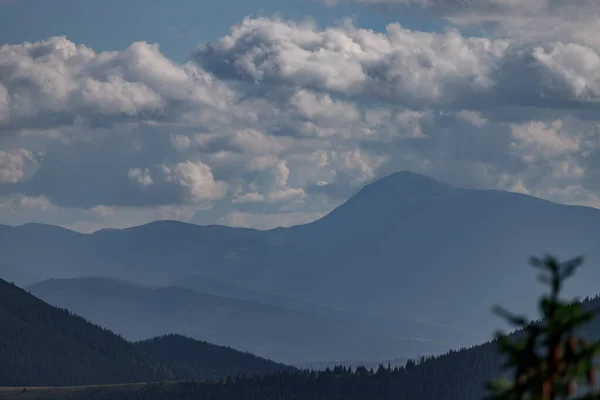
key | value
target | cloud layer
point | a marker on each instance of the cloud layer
(279, 121)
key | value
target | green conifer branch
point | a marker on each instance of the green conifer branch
(548, 360)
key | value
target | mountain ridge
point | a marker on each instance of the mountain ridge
(270, 330)
(378, 255)
(42, 345)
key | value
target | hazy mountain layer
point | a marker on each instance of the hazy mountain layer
(424, 257)
(270, 331)
(41, 345)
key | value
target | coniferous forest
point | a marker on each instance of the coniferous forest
(45, 346)
(41, 345)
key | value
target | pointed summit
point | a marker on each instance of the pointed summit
(379, 201)
(403, 184)
(387, 193)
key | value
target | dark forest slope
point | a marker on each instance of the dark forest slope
(192, 359)
(457, 375)
(41, 345)
(44, 345)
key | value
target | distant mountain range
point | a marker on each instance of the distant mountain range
(41, 345)
(267, 330)
(406, 255)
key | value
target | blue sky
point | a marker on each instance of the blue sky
(248, 115)
(177, 25)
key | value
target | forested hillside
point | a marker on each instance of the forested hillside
(41, 345)
(457, 375)
(44, 345)
(191, 359)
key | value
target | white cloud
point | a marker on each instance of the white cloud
(12, 164)
(486, 6)
(525, 21)
(282, 173)
(287, 194)
(181, 142)
(574, 67)
(178, 213)
(262, 163)
(141, 177)
(198, 181)
(567, 170)
(4, 104)
(537, 138)
(253, 141)
(102, 210)
(249, 198)
(26, 204)
(399, 65)
(289, 118)
(321, 108)
(54, 81)
(473, 117)
(512, 184)
(358, 167)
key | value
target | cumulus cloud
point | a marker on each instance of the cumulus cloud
(253, 141)
(573, 67)
(488, 6)
(279, 121)
(102, 210)
(538, 138)
(181, 142)
(197, 180)
(55, 81)
(141, 177)
(26, 204)
(321, 108)
(472, 117)
(13, 163)
(248, 198)
(522, 20)
(400, 66)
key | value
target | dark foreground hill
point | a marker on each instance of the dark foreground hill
(457, 375)
(42, 345)
(191, 359)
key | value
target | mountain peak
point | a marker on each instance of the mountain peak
(407, 181)
(399, 186)
(379, 200)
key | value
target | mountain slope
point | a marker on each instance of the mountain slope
(191, 359)
(43, 345)
(418, 254)
(266, 330)
(431, 252)
(457, 375)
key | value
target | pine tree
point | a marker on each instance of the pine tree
(549, 359)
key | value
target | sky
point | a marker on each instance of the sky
(265, 113)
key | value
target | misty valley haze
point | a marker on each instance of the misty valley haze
(344, 287)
